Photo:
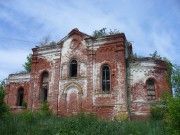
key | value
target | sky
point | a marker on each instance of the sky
(151, 25)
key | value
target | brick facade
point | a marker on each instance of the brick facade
(68, 94)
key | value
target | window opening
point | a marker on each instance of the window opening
(44, 87)
(151, 89)
(105, 78)
(73, 68)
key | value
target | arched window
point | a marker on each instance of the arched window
(73, 68)
(44, 86)
(20, 96)
(105, 76)
(150, 84)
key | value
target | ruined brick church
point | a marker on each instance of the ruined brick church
(93, 75)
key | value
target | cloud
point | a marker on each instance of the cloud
(12, 60)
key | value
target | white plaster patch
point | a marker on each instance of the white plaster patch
(139, 70)
(83, 69)
(65, 50)
(18, 78)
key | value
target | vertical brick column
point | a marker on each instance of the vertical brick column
(89, 99)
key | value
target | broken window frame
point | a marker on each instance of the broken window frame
(105, 78)
(73, 68)
(151, 89)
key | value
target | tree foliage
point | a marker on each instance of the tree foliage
(103, 32)
(168, 110)
(173, 115)
(176, 78)
(27, 64)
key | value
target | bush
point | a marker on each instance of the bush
(3, 106)
(159, 110)
(173, 115)
(157, 113)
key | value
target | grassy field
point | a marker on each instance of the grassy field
(36, 124)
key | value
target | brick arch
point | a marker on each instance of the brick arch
(150, 77)
(73, 84)
(20, 87)
(106, 63)
(43, 71)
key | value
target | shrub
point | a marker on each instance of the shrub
(157, 112)
(3, 106)
(173, 115)
(44, 109)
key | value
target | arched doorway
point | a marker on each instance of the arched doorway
(20, 96)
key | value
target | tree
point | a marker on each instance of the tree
(155, 55)
(27, 64)
(45, 41)
(52, 43)
(176, 78)
(100, 33)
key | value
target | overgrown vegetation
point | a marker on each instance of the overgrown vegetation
(169, 66)
(44, 109)
(168, 111)
(173, 115)
(104, 32)
(3, 107)
(30, 123)
(176, 78)
(47, 41)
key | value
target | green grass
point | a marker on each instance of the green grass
(36, 124)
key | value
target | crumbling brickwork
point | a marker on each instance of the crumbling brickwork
(83, 73)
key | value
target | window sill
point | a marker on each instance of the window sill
(104, 92)
(73, 77)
